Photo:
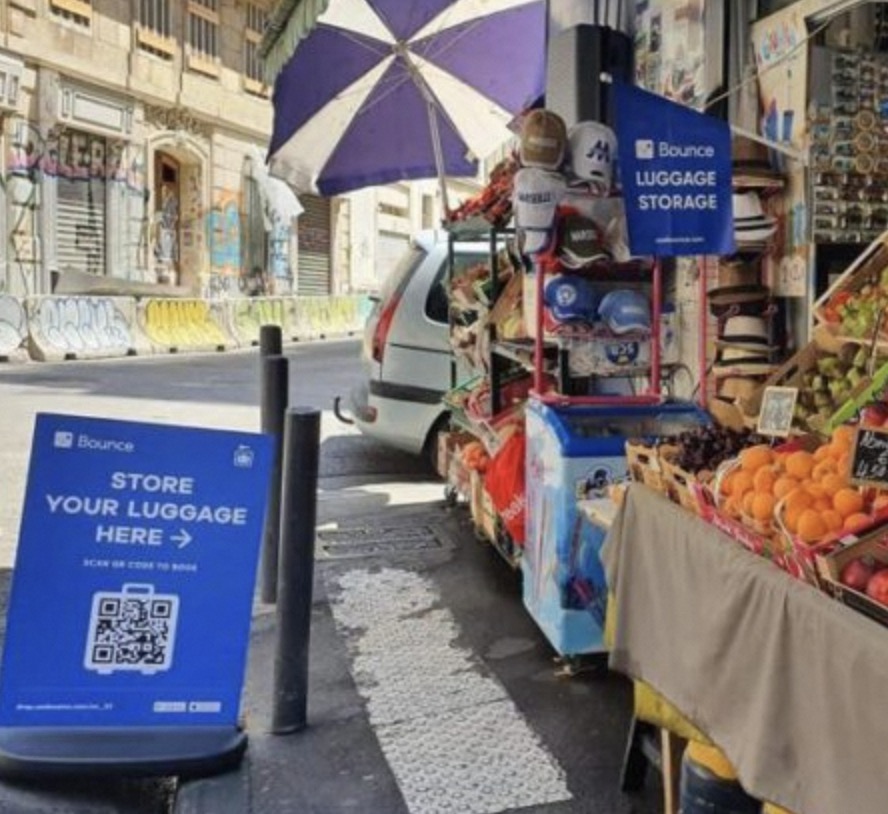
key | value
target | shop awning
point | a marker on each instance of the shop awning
(289, 23)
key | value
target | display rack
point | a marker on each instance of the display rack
(610, 272)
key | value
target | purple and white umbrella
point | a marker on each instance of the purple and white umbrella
(385, 90)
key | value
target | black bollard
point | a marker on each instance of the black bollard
(275, 387)
(271, 341)
(302, 436)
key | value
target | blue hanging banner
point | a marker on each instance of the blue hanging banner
(133, 584)
(675, 171)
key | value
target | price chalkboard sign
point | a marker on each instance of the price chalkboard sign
(778, 404)
(869, 464)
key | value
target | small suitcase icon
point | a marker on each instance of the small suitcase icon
(131, 630)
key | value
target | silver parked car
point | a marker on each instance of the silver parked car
(406, 355)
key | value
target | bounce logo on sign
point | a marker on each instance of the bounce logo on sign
(644, 149)
(676, 176)
(63, 439)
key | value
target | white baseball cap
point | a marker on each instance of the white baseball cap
(593, 149)
(535, 196)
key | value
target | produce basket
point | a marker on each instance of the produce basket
(681, 486)
(644, 465)
(759, 538)
(831, 565)
(799, 557)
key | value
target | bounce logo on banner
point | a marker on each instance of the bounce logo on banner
(675, 169)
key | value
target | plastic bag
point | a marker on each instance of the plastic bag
(504, 482)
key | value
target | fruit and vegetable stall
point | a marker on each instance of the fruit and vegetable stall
(749, 573)
(734, 563)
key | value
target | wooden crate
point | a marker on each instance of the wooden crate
(830, 565)
(643, 464)
(484, 516)
(681, 486)
(449, 444)
(863, 271)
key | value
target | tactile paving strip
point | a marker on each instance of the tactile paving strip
(455, 741)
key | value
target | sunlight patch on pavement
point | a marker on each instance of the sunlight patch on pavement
(21, 403)
(393, 493)
(447, 727)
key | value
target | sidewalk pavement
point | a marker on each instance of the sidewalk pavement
(431, 691)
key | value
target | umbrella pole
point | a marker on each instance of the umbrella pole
(439, 155)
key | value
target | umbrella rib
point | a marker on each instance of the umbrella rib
(426, 53)
(349, 35)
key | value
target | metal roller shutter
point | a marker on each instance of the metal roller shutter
(315, 241)
(81, 205)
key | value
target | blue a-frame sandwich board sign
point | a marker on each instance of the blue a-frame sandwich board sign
(131, 599)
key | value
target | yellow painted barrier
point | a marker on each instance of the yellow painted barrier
(338, 315)
(184, 325)
(55, 327)
(249, 315)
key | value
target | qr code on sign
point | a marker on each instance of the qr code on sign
(133, 629)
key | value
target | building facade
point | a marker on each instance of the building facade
(133, 142)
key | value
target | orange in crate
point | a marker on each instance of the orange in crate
(753, 458)
(848, 501)
(811, 526)
(799, 464)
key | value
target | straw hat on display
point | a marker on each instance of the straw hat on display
(746, 333)
(752, 227)
(733, 361)
(750, 166)
(738, 282)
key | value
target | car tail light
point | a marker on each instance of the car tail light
(383, 324)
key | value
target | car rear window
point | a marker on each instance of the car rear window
(396, 280)
(436, 302)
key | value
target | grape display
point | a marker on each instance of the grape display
(705, 448)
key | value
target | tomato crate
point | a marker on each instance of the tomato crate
(872, 544)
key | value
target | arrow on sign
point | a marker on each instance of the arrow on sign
(181, 539)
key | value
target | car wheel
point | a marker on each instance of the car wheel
(430, 449)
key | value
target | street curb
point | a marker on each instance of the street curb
(221, 794)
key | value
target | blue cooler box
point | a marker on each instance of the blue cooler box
(573, 453)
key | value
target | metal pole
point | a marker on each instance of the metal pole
(275, 387)
(271, 342)
(302, 436)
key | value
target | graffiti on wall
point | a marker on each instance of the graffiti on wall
(81, 325)
(115, 231)
(224, 233)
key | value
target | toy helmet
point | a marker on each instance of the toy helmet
(625, 311)
(593, 150)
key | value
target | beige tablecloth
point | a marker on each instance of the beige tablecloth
(791, 684)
